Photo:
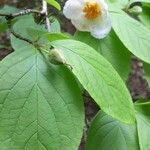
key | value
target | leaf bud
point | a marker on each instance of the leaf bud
(56, 58)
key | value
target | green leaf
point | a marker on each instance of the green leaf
(107, 133)
(3, 24)
(6, 10)
(118, 3)
(35, 33)
(27, 28)
(55, 26)
(112, 49)
(56, 36)
(54, 3)
(24, 24)
(145, 16)
(143, 124)
(99, 78)
(134, 35)
(40, 104)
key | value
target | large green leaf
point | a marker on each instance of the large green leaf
(143, 124)
(112, 49)
(99, 78)
(134, 35)
(106, 133)
(40, 104)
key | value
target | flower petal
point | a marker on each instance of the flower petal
(73, 9)
(81, 23)
(102, 29)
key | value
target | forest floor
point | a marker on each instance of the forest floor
(136, 83)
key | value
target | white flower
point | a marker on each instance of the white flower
(89, 15)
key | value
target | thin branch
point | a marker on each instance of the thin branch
(45, 11)
(26, 11)
(21, 13)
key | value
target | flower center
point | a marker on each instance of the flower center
(92, 10)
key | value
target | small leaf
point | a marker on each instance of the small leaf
(54, 3)
(106, 133)
(55, 25)
(99, 78)
(143, 124)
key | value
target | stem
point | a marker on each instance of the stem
(45, 11)
(44, 50)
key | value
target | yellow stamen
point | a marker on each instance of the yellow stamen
(92, 10)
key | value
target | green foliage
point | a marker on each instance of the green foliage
(107, 133)
(55, 25)
(8, 10)
(112, 49)
(143, 124)
(87, 66)
(41, 105)
(145, 16)
(118, 3)
(24, 26)
(55, 36)
(54, 3)
(3, 22)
